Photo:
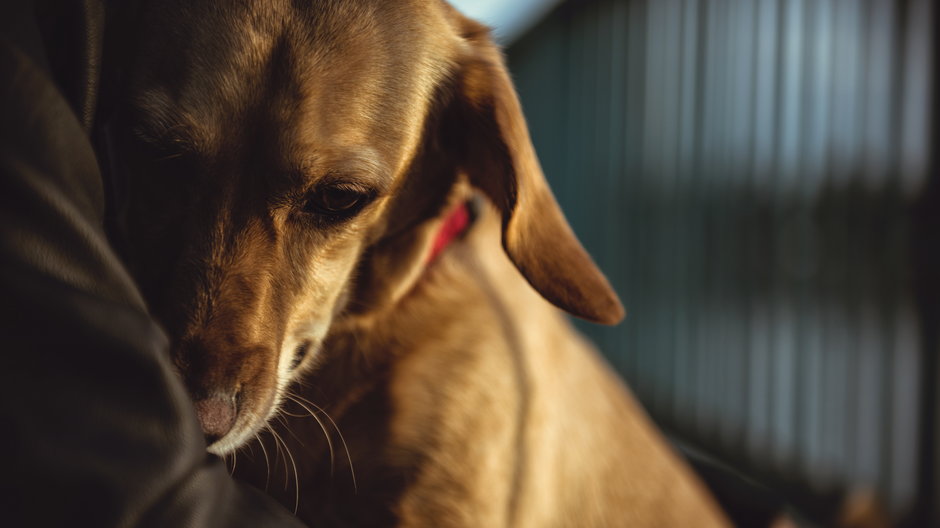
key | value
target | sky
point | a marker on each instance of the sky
(508, 18)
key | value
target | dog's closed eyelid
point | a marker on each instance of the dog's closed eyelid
(160, 148)
(359, 166)
(363, 181)
(335, 203)
(165, 157)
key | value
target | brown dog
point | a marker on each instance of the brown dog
(291, 165)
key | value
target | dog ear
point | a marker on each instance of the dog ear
(487, 129)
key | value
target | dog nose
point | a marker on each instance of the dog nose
(216, 416)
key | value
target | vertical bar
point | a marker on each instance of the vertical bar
(904, 443)
(918, 86)
(633, 153)
(816, 141)
(787, 167)
(711, 141)
(764, 152)
(652, 172)
(685, 308)
(666, 210)
(739, 275)
(927, 289)
(696, 214)
(615, 183)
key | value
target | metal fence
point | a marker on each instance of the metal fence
(753, 176)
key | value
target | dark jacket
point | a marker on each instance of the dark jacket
(96, 429)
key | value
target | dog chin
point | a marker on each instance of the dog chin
(225, 445)
(235, 439)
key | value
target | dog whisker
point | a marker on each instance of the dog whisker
(267, 465)
(326, 434)
(300, 400)
(280, 416)
(289, 457)
(277, 450)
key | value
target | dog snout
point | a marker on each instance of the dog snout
(216, 415)
(229, 383)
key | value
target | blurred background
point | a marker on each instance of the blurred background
(759, 181)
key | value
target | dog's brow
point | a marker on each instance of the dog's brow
(361, 167)
(157, 122)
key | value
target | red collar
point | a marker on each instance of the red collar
(455, 225)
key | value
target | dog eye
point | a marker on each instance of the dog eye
(337, 202)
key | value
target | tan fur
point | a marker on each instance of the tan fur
(586, 453)
(463, 397)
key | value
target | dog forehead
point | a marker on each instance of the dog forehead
(319, 73)
(366, 73)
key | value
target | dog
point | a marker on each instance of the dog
(335, 210)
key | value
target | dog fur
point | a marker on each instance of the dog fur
(289, 166)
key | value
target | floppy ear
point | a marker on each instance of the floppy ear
(488, 130)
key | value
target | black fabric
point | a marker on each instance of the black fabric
(97, 430)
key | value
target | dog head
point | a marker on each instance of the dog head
(276, 151)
